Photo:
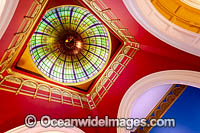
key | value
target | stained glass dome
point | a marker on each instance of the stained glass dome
(70, 45)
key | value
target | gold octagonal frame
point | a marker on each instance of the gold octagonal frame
(98, 91)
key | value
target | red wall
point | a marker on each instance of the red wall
(21, 10)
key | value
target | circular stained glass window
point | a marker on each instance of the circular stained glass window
(70, 45)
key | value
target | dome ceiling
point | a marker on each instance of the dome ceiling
(70, 45)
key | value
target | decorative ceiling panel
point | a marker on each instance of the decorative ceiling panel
(70, 45)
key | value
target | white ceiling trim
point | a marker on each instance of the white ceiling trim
(39, 129)
(192, 3)
(144, 84)
(146, 102)
(7, 10)
(147, 15)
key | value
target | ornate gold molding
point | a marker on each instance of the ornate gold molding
(22, 34)
(122, 58)
(37, 88)
(106, 15)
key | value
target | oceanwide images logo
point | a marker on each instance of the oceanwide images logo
(129, 123)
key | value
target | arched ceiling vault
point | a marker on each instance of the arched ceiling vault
(173, 21)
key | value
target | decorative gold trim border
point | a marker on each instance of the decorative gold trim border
(43, 91)
(22, 34)
(90, 100)
(106, 15)
(126, 53)
(112, 72)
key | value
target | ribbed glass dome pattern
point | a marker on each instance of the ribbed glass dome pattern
(70, 45)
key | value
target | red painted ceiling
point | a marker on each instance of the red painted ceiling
(154, 56)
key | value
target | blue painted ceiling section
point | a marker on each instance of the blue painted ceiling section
(186, 111)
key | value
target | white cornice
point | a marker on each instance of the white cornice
(39, 129)
(147, 15)
(7, 10)
(192, 3)
(141, 86)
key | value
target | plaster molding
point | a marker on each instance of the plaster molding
(147, 15)
(39, 129)
(7, 10)
(192, 3)
(185, 77)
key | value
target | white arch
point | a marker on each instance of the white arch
(192, 3)
(39, 129)
(141, 86)
(147, 15)
(7, 10)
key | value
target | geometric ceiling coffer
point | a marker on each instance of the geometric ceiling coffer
(70, 45)
(40, 88)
